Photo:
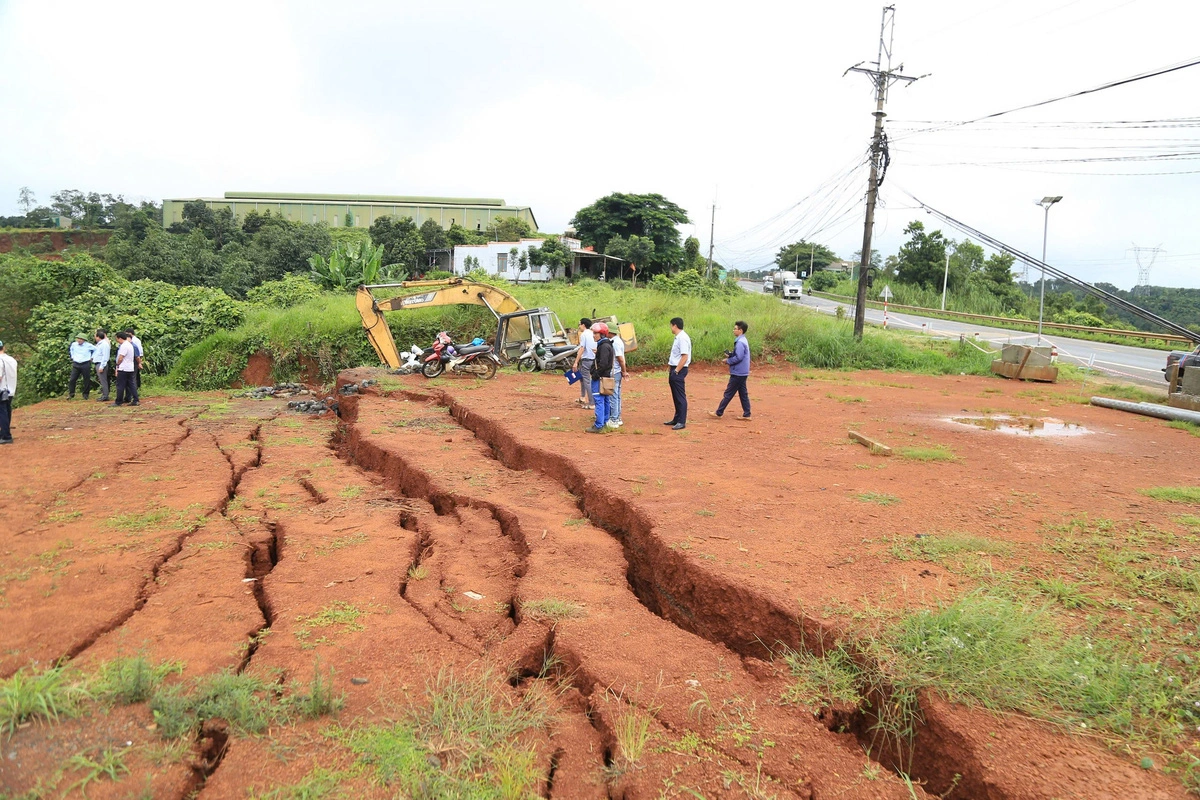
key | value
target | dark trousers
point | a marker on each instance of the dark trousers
(135, 381)
(125, 388)
(5, 419)
(102, 379)
(677, 380)
(736, 385)
(78, 368)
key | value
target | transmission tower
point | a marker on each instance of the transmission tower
(1149, 254)
(882, 77)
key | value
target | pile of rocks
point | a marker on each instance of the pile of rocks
(316, 406)
(355, 388)
(278, 390)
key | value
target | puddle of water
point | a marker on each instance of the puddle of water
(1023, 426)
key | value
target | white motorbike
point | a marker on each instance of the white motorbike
(540, 357)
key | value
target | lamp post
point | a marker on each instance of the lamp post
(1045, 203)
(945, 279)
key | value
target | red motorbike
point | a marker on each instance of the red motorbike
(479, 360)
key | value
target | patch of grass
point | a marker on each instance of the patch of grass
(340, 542)
(1183, 425)
(878, 498)
(704, 512)
(553, 609)
(574, 521)
(845, 398)
(46, 695)
(131, 680)
(339, 615)
(350, 492)
(244, 701)
(822, 681)
(936, 453)
(318, 698)
(938, 549)
(418, 572)
(1174, 494)
(109, 764)
(1067, 594)
(632, 730)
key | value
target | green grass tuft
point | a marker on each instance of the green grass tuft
(1174, 494)
(553, 609)
(878, 498)
(131, 680)
(47, 695)
(937, 453)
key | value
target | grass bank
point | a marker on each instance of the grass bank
(326, 332)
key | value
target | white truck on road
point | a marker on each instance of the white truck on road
(793, 288)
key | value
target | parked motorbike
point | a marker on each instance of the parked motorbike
(477, 360)
(540, 357)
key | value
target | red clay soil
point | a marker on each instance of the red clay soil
(59, 240)
(221, 535)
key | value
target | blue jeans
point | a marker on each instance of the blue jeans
(614, 400)
(601, 401)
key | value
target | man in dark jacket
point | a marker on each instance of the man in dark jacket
(602, 368)
(739, 372)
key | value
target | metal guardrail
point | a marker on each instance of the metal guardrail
(1062, 326)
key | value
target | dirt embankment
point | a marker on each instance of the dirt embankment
(49, 243)
(652, 578)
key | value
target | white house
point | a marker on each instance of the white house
(494, 257)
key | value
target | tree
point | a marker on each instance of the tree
(401, 240)
(691, 253)
(650, 216)
(508, 229)
(922, 258)
(91, 210)
(26, 200)
(434, 235)
(553, 254)
(796, 256)
(457, 235)
(876, 260)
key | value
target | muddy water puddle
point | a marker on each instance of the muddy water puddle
(1041, 427)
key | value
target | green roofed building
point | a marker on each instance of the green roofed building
(473, 213)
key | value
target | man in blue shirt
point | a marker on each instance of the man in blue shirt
(81, 364)
(739, 371)
(100, 357)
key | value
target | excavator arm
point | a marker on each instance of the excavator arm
(450, 292)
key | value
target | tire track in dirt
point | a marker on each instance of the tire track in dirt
(621, 645)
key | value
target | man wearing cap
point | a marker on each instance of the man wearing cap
(81, 364)
(125, 359)
(8, 388)
(681, 357)
(601, 368)
(100, 358)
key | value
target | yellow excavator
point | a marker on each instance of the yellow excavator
(516, 326)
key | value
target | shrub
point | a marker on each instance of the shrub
(290, 290)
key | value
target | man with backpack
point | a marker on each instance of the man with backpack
(601, 372)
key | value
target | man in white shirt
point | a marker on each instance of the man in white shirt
(125, 373)
(619, 372)
(81, 365)
(8, 388)
(100, 357)
(584, 359)
(681, 357)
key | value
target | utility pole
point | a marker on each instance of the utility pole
(883, 76)
(945, 279)
(711, 228)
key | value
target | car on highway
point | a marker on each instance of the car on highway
(768, 285)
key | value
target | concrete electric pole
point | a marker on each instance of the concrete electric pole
(711, 229)
(883, 76)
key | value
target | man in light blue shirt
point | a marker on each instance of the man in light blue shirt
(100, 357)
(81, 364)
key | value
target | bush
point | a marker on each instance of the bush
(691, 282)
(167, 319)
(26, 282)
(290, 290)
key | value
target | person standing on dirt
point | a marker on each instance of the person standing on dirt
(584, 359)
(739, 371)
(126, 391)
(601, 369)
(8, 389)
(100, 357)
(81, 364)
(618, 373)
(681, 356)
(137, 364)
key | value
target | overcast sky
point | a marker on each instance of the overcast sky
(554, 104)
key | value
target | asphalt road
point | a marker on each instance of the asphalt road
(1138, 364)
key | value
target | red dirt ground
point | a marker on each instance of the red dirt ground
(212, 533)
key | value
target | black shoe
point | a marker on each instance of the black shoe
(118, 404)
(678, 426)
(6, 441)
(135, 403)
(672, 422)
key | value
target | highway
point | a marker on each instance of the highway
(1139, 364)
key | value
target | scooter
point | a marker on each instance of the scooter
(477, 360)
(539, 357)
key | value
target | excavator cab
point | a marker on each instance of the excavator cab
(515, 331)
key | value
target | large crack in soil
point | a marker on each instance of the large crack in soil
(677, 590)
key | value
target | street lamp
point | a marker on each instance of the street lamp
(1045, 203)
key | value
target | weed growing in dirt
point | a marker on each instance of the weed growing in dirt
(553, 609)
(1067, 594)
(109, 764)
(338, 615)
(340, 542)
(878, 498)
(1183, 425)
(317, 699)
(936, 453)
(350, 492)
(1174, 494)
(822, 681)
(845, 398)
(244, 701)
(418, 572)
(631, 728)
(47, 695)
(131, 680)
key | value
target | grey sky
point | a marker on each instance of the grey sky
(554, 104)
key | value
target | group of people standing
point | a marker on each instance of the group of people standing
(601, 356)
(88, 357)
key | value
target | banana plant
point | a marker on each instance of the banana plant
(351, 264)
